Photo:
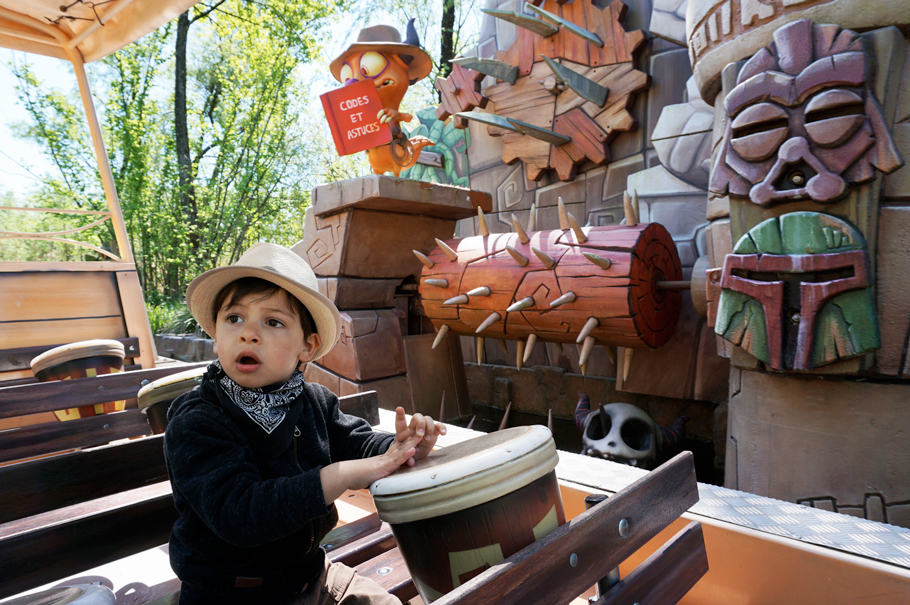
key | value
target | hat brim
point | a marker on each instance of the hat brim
(202, 292)
(418, 68)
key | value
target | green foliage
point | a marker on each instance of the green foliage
(171, 317)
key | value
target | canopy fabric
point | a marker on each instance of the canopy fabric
(95, 28)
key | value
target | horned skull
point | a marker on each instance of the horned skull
(622, 433)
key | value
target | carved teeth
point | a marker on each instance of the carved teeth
(522, 236)
(443, 330)
(565, 298)
(461, 299)
(529, 347)
(586, 331)
(478, 343)
(480, 291)
(585, 351)
(579, 234)
(482, 223)
(532, 217)
(563, 215)
(453, 256)
(436, 281)
(424, 259)
(600, 261)
(522, 304)
(489, 321)
(626, 364)
(520, 258)
(519, 353)
(548, 261)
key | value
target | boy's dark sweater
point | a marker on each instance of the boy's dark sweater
(250, 504)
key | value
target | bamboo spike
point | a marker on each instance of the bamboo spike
(461, 299)
(480, 291)
(521, 305)
(482, 223)
(576, 228)
(443, 330)
(424, 259)
(491, 319)
(442, 407)
(565, 298)
(626, 363)
(519, 354)
(563, 216)
(600, 261)
(436, 281)
(471, 422)
(532, 217)
(529, 347)
(586, 348)
(478, 345)
(545, 258)
(520, 258)
(522, 236)
(627, 210)
(587, 329)
(453, 256)
(505, 417)
(550, 419)
(572, 27)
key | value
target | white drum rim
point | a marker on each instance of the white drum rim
(168, 387)
(433, 490)
(84, 349)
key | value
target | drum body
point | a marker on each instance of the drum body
(155, 398)
(468, 506)
(82, 359)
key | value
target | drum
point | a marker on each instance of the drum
(470, 505)
(156, 396)
(82, 359)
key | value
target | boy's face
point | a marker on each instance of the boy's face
(259, 340)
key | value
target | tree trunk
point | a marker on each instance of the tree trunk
(181, 135)
(447, 46)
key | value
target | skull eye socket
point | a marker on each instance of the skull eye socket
(636, 433)
(599, 427)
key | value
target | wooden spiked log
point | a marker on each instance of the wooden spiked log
(629, 307)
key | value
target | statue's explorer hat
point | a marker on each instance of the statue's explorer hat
(385, 38)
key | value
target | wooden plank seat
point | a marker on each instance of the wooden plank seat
(20, 358)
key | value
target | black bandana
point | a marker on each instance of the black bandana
(266, 409)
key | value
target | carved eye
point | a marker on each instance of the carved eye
(345, 73)
(833, 116)
(372, 64)
(759, 130)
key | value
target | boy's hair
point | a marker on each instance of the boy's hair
(244, 286)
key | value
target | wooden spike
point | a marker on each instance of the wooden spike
(505, 417)
(576, 228)
(548, 261)
(565, 298)
(442, 407)
(627, 210)
(600, 261)
(480, 291)
(626, 363)
(461, 299)
(587, 329)
(550, 419)
(522, 236)
(478, 344)
(424, 259)
(563, 215)
(519, 354)
(520, 258)
(611, 355)
(491, 319)
(532, 217)
(453, 256)
(585, 351)
(529, 347)
(482, 223)
(471, 422)
(436, 281)
(503, 345)
(522, 304)
(636, 207)
(443, 330)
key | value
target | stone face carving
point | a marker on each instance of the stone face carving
(796, 294)
(802, 121)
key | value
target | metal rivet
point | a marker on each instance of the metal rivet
(573, 560)
(623, 527)
(383, 571)
(144, 382)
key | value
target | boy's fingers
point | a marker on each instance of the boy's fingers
(401, 424)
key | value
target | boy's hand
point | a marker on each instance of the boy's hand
(422, 427)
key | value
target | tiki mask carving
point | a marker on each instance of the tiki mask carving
(796, 294)
(802, 120)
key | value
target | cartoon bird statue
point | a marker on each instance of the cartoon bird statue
(392, 66)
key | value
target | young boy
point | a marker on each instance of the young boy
(257, 456)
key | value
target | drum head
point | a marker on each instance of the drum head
(88, 594)
(169, 387)
(77, 350)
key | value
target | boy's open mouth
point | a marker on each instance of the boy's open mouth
(247, 362)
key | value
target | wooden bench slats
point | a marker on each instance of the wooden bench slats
(366, 547)
(20, 358)
(61, 394)
(667, 575)
(648, 504)
(38, 439)
(79, 476)
(389, 571)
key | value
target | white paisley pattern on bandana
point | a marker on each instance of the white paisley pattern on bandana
(265, 409)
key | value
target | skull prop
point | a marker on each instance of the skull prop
(620, 432)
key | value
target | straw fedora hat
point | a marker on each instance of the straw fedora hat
(283, 268)
(385, 38)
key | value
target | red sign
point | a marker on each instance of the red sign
(351, 112)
